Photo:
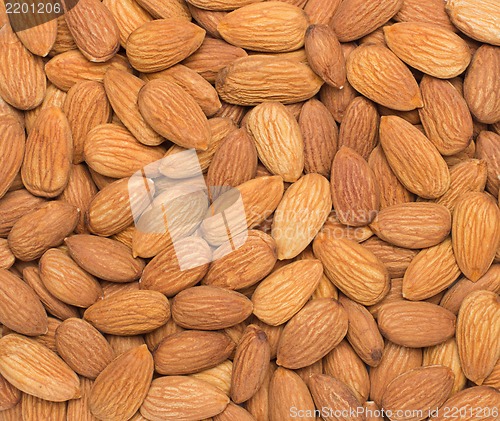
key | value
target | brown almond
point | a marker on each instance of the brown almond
(120, 389)
(210, 308)
(82, 347)
(415, 324)
(129, 313)
(488, 150)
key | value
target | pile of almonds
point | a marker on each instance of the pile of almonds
(361, 138)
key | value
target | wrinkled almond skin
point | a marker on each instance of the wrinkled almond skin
(445, 116)
(488, 150)
(34, 408)
(434, 50)
(14, 205)
(354, 189)
(312, 333)
(356, 18)
(395, 361)
(9, 395)
(237, 269)
(278, 140)
(48, 154)
(430, 387)
(431, 271)
(430, 11)
(354, 270)
(320, 136)
(415, 324)
(94, 254)
(288, 390)
(36, 370)
(160, 44)
(270, 26)
(20, 309)
(413, 158)
(191, 351)
(363, 333)
(65, 280)
(478, 334)
(475, 233)
(210, 308)
(331, 393)
(22, 80)
(250, 364)
(186, 124)
(301, 214)
(425, 224)
(120, 389)
(324, 55)
(42, 229)
(284, 292)
(476, 22)
(181, 397)
(82, 347)
(129, 313)
(376, 72)
(286, 81)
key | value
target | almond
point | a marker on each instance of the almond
(95, 254)
(48, 154)
(284, 292)
(430, 11)
(356, 18)
(312, 333)
(186, 124)
(113, 151)
(129, 313)
(160, 44)
(475, 233)
(165, 273)
(21, 310)
(86, 106)
(173, 9)
(354, 270)
(354, 189)
(233, 412)
(112, 399)
(9, 395)
(376, 72)
(36, 370)
(12, 142)
(467, 401)
(278, 140)
(265, 26)
(425, 224)
(476, 22)
(329, 392)
(432, 49)
(287, 81)
(13, 206)
(320, 134)
(363, 333)
(191, 351)
(301, 214)
(488, 150)
(41, 229)
(178, 397)
(210, 308)
(344, 364)
(71, 66)
(445, 116)
(478, 334)
(421, 169)
(325, 56)
(82, 347)
(415, 324)
(22, 80)
(65, 280)
(250, 364)
(431, 271)
(287, 390)
(236, 269)
(430, 387)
